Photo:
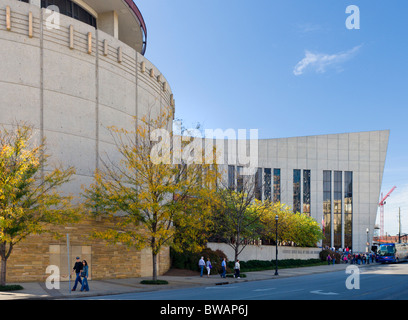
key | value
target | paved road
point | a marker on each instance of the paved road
(382, 282)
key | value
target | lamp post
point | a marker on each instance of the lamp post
(276, 242)
(368, 242)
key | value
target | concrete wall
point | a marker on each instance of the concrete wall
(266, 253)
(72, 82)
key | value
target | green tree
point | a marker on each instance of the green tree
(154, 202)
(30, 197)
(237, 218)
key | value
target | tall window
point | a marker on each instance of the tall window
(231, 177)
(240, 179)
(337, 197)
(258, 184)
(267, 184)
(296, 190)
(276, 185)
(71, 9)
(348, 208)
(327, 204)
(306, 191)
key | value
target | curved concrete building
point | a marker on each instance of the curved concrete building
(72, 68)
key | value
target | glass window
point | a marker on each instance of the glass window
(258, 184)
(71, 9)
(61, 4)
(240, 180)
(337, 198)
(306, 191)
(296, 190)
(276, 185)
(267, 184)
(348, 208)
(231, 177)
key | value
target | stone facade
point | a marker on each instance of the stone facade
(30, 259)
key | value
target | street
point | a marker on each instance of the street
(380, 282)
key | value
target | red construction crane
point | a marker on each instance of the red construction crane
(381, 204)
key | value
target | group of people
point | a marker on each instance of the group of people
(347, 256)
(363, 258)
(81, 270)
(202, 264)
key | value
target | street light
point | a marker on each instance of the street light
(276, 242)
(368, 242)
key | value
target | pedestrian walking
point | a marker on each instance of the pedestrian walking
(77, 269)
(201, 264)
(224, 268)
(208, 266)
(328, 259)
(84, 275)
(237, 268)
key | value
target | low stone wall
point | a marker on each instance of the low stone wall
(30, 258)
(265, 253)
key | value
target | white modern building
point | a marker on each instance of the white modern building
(335, 178)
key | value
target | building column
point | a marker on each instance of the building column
(108, 22)
(342, 210)
(332, 209)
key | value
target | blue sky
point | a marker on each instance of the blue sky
(289, 68)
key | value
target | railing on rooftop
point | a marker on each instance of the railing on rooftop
(139, 16)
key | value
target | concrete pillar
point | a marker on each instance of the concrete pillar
(108, 22)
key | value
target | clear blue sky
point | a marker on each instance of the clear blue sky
(289, 68)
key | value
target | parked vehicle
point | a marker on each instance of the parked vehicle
(392, 253)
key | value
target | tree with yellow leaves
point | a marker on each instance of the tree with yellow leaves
(297, 228)
(30, 196)
(155, 201)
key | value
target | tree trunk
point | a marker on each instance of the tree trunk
(237, 247)
(4, 255)
(154, 266)
(3, 264)
(3, 272)
(154, 257)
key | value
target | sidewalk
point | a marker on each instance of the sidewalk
(37, 290)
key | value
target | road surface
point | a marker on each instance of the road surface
(381, 282)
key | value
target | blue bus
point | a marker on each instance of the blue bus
(392, 252)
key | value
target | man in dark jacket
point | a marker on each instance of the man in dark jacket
(77, 268)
